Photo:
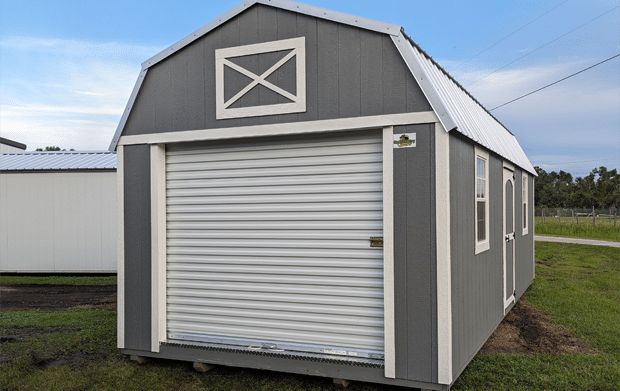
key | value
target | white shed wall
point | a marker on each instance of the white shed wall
(58, 222)
(8, 148)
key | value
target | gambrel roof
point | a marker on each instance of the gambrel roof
(455, 107)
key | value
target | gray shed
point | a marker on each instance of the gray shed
(307, 191)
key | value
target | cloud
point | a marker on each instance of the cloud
(65, 92)
(576, 121)
(87, 50)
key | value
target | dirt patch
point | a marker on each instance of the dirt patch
(68, 360)
(56, 297)
(526, 330)
(523, 330)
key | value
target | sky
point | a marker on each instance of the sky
(67, 67)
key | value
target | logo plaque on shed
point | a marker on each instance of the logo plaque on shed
(261, 79)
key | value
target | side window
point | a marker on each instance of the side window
(524, 203)
(482, 200)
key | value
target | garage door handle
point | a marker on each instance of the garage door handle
(376, 241)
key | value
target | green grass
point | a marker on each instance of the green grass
(57, 280)
(566, 228)
(578, 287)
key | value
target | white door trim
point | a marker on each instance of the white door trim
(331, 125)
(388, 252)
(158, 246)
(508, 175)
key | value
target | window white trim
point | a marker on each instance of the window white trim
(525, 217)
(482, 245)
(298, 100)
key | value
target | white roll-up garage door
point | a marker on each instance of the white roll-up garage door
(268, 244)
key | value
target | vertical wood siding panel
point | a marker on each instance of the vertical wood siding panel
(400, 263)
(142, 118)
(287, 28)
(394, 79)
(164, 95)
(371, 70)
(248, 34)
(349, 71)
(419, 254)
(134, 125)
(477, 279)
(268, 31)
(328, 69)
(196, 106)
(137, 247)
(416, 101)
(211, 41)
(306, 27)
(524, 243)
(179, 112)
(230, 38)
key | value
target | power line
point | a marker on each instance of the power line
(547, 44)
(508, 36)
(556, 82)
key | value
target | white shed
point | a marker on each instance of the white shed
(58, 212)
(7, 145)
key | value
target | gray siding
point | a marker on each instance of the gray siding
(137, 247)
(524, 261)
(415, 256)
(477, 280)
(350, 73)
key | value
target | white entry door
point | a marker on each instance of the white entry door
(509, 237)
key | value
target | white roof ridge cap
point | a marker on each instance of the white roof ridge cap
(318, 12)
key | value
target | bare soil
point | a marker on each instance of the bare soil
(56, 297)
(527, 330)
(524, 330)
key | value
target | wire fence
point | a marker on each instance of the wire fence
(599, 217)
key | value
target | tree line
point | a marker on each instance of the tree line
(599, 189)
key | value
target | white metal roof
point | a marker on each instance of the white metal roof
(57, 160)
(455, 107)
(460, 111)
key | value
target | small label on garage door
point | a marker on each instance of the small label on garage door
(404, 140)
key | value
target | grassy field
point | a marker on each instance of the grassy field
(566, 227)
(57, 280)
(577, 286)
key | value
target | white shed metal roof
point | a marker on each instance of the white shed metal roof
(455, 107)
(58, 160)
(458, 109)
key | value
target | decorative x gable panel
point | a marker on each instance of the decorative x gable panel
(285, 52)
